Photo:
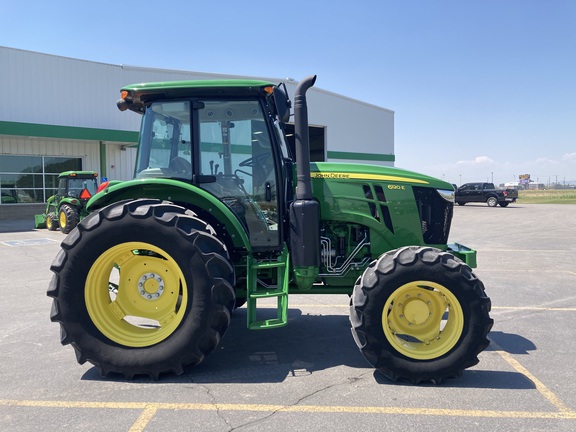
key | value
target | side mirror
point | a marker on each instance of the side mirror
(282, 104)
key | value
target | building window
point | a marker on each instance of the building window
(32, 179)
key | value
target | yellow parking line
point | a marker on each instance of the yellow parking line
(533, 308)
(144, 418)
(542, 389)
(149, 409)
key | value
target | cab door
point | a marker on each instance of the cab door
(236, 150)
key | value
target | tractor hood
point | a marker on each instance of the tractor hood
(351, 171)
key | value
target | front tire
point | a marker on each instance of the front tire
(141, 288)
(68, 218)
(51, 221)
(420, 314)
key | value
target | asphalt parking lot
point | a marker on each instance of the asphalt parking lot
(310, 376)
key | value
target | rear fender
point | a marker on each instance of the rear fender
(74, 202)
(208, 207)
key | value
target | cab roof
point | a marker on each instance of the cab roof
(138, 95)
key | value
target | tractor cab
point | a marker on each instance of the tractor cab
(231, 147)
(77, 184)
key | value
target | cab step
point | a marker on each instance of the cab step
(258, 291)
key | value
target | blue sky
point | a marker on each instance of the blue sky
(482, 89)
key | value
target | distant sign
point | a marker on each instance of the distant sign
(104, 179)
(524, 178)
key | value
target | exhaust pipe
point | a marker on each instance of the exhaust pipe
(304, 211)
(303, 186)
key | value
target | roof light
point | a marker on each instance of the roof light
(269, 89)
(124, 94)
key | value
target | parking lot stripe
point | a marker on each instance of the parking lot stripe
(149, 409)
(144, 418)
(536, 308)
(542, 389)
(346, 306)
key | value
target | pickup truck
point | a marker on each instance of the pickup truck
(485, 192)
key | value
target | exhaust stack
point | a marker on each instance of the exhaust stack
(301, 136)
(304, 211)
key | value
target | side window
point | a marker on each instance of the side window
(235, 147)
(62, 187)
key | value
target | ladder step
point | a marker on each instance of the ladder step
(255, 291)
(264, 265)
(267, 294)
(267, 324)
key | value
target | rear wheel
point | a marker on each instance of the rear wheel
(142, 288)
(68, 218)
(420, 314)
(51, 221)
(504, 204)
(492, 201)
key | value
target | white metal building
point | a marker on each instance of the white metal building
(59, 113)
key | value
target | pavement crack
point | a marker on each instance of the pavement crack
(348, 381)
(214, 402)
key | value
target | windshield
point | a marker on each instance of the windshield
(165, 145)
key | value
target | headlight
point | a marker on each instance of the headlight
(448, 195)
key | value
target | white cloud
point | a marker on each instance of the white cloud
(484, 168)
(478, 160)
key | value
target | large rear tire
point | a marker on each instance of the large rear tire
(142, 288)
(420, 314)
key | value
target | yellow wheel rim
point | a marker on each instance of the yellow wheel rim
(422, 320)
(62, 219)
(136, 294)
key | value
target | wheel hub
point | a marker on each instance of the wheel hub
(416, 312)
(151, 286)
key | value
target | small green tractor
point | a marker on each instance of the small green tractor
(68, 207)
(222, 212)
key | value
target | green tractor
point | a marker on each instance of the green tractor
(222, 212)
(68, 207)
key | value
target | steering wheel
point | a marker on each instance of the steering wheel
(256, 160)
(180, 165)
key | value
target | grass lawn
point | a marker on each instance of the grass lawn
(548, 196)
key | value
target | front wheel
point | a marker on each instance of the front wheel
(51, 221)
(142, 288)
(420, 314)
(68, 218)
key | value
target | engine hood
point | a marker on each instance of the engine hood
(334, 170)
